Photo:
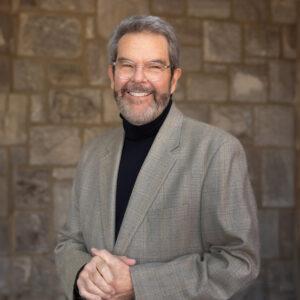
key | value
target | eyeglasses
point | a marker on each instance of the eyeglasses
(153, 71)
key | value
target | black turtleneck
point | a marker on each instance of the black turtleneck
(137, 143)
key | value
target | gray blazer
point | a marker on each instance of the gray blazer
(191, 220)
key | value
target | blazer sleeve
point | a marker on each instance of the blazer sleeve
(229, 233)
(70, 252)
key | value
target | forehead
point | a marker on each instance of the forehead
(143, 46)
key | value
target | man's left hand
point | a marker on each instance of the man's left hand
(119, 267)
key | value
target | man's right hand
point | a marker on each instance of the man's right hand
(91, 284)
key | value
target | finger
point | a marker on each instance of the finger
(104, 254)
(105, 272)
(103, 285)
(128, 261)
(86, 286)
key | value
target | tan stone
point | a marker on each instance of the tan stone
(169, 7)
(3, 162)
(207, 87)
(68, 74)
(86, 6)
(289, 41)
(49, 35)
(5, 33)
(90, 28)
(284, 11)
(254, 10)
(96, 63)
(194, 110)
(54, 145)
(111, 112)
(5, 74)
(75, 106)
(28, 75)
(222, 42)
(63, 173)
(38, 109)
(209, 8)
(249, 84)
(190, 58)
(4, 197)
(91, 133)
(13, 112)
(111, 13)
(234, 119)
(62, 198)
(262, 40)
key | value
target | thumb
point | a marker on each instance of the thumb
(128, 261)
(95, 252)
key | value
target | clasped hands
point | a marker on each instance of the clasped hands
(106, 276)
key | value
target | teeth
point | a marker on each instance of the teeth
(138, 94)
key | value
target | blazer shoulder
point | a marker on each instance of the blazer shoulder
(99, 144)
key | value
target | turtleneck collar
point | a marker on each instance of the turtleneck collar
(134, 132)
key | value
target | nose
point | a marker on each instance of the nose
(138, 75)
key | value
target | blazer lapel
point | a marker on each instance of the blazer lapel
(108, 182)
(159, 162)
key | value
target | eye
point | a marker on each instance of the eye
(126, 65)
(156, 67)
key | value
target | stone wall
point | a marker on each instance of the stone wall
(239, 59)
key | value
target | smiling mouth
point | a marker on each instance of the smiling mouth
(139, 94)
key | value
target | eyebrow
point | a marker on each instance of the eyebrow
(160, 61)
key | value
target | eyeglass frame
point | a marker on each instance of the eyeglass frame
(135, 65)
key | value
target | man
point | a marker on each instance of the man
(162, 208)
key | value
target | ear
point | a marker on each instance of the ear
(110, 73)
(176, 75)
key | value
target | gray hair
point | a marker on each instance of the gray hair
(151, 24)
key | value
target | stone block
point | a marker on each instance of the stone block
(13, 113)
(262, 40)
(54, 145)
(3, 162)
(5, 74)
(282, 81)
(4, 236)
(92, 132)
(36, 278)
(4, 197)
(254, 168)
(278, 178)
(236, 120)
(168, 7)
(90, 30)
(87, 6)
(32, 189)
(194, 110)
(110, 13)
(19, 156)
(287, 225)
(274, 126)
(96, 63)
(4, 279)
(215, 68)
(249, 84)
(191, 58)
(75, 106)
(207, 87)
(5, 33)
(62, 197)
(189, 31)
(38, 108)
(289, 41)
(284, 11)
(49, 35)
(5, 5)
(281, 277)
(249, 11)
(69, 74)
(63, 173)
(32, 231)
(111, 111)
(179, 94)
(28, 75)
(269, 233)
(209, 8)
(222, 42)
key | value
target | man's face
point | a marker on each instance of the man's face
(141, 99)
